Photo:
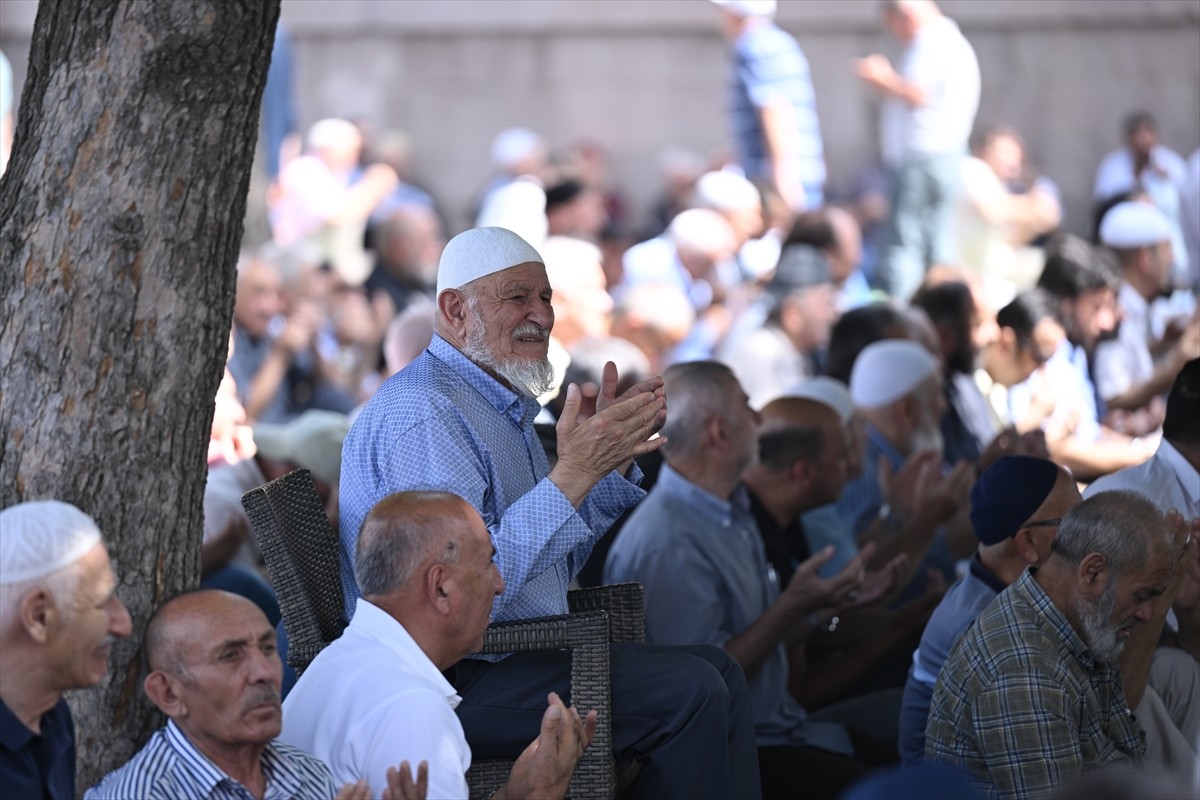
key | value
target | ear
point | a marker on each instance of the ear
(452, 306)
(38, 613)
(439, 587)
(1093, 574)
(802, 474)
(1026, 546)
(715, 430)
(164, 693)
(907, 412)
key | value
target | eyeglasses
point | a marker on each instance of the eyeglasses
(1043, 523)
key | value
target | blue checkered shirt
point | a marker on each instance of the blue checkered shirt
(443, 423)
(1022, 706)
(170, 767)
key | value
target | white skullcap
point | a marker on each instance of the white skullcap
(41, 537)
(826, 391)
(481, 251)
(1132, 225)
(519, 206)
(513, 145)
(312, 440)
(702, 230)
(332, 132)
(749, 8)
(726, 191)
(888, 370)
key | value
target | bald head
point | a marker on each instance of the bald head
(187, 618)
(406, 531)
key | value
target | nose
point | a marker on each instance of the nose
(497, 580)
(265, 667)
(542, 314)
(119, 622)
(1144, 611)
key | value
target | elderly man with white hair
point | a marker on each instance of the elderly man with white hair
(460, 419)
(59, 614)
(1128, 378)
(696, 255)
(323, 189)
(897, 388)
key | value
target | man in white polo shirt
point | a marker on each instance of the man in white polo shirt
(1128, 378)
(424, 564)
(929, 107)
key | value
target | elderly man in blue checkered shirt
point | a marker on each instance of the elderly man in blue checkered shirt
(460, 419)
(1032, 695)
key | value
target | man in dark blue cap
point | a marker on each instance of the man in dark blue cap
(1016, 506)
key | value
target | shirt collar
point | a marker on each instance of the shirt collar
(880, 442)
(14, 734)
(699, 500)
(280, 779)
(1037, 597)
(1189, 478)
(372, 621)
(989, 578)
(518, 407)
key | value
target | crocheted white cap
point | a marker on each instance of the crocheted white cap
(41, 537)
(888, 370)
(1131, 225)
(482, 251)
(827, 391)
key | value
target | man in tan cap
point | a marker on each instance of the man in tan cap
(460, 419)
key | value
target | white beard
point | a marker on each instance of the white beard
(531, 377)
(1098, 630)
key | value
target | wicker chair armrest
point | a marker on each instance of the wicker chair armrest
(586, 635)
(625, 604)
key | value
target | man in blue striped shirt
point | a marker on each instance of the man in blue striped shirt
(215, 673)
(772, 104)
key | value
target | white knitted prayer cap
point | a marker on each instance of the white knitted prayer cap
(888, 370)
(482, 251)
(1131, 225)
(41, 537)
(827, 391)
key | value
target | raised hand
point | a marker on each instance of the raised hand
(588, 449)
(807, 591)
(544, 770)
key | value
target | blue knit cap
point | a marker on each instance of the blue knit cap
(1007, 494)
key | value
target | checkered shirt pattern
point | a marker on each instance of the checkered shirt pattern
(1022, 706)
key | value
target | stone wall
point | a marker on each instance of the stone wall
(641, 75)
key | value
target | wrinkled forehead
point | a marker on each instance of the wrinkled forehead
(530, 277)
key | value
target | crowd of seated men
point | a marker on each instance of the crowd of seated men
(935, 541)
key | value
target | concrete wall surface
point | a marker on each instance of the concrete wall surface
(642, 75)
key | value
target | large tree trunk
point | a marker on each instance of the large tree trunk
(120, 221)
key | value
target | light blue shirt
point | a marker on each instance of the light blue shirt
(702, 563)
(169, 767)
(443, 423)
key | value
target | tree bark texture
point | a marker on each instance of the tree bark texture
(120, 221)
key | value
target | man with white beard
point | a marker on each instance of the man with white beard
(1031, 695)
(460, 419)
(896, 386)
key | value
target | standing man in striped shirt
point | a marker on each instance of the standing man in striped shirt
(772, 105)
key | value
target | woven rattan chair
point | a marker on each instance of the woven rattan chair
(301, 551)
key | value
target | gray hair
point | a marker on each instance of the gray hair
(695, 393)
(401, 533)
(1121, 525)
